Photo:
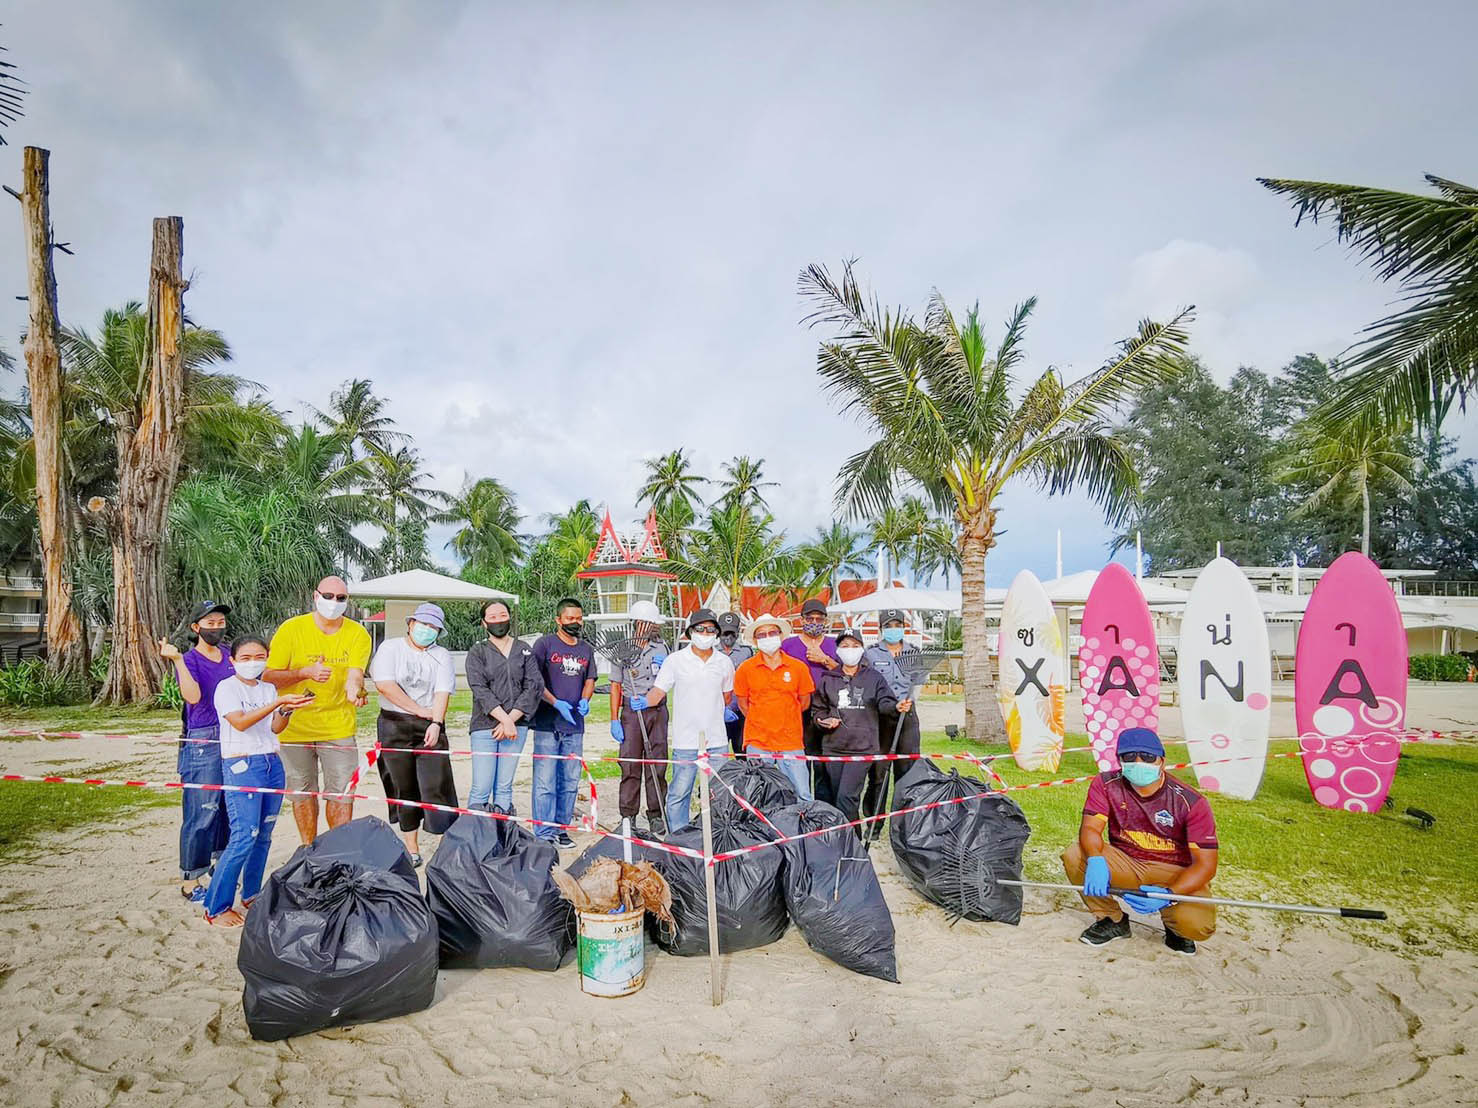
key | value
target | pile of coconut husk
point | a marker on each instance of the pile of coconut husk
(611, 885)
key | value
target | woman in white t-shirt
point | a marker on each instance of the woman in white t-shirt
(251, 715)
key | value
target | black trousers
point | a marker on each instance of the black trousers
(633, 774)
(884, 772)
(814, 740)
(735, 732)
(426, 778)
(847, 779)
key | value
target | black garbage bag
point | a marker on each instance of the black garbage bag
(954, 854)
(749, 890)
(495, 904)
(331, 942)
(367, 841)
(761, 783)
(832, 891)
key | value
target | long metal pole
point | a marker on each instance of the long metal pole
(708, 883)
(1307, 909)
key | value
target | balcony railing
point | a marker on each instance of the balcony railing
(22, 621)
(1420, 587)
(20, 584)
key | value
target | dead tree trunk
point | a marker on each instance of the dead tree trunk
(148, 470)
(66, 646)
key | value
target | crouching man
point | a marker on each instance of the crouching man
(1161, 838)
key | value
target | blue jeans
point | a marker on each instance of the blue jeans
(202, 815)
(680, 791)
(492, 776)
(252, 816)
(795, 770)
(555, 781)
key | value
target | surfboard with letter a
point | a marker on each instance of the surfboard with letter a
(1118, 663)
(1349, 688)
(1031, 685)
(1226, 681)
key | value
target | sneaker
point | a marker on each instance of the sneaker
(197, 895)
(1179, 943)
(563, 841)
(1105, 930)
(656, 826)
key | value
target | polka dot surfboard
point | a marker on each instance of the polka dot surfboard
(1118, 663)
(1226, 681)
(1349, 689)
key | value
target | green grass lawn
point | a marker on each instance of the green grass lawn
(30, 807)
(81, 717)
(1282, 846)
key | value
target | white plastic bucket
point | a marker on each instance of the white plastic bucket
(612, 953)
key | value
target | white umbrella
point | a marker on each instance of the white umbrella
(910, 600)
(422, 584)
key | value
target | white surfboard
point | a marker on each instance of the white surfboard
(1226, 681)
(1031, 685)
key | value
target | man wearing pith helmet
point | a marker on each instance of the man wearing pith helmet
(1145, 831)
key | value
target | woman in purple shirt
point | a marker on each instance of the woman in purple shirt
(203, 825)
(819, 651)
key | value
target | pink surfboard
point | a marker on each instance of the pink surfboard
(1118, 663)
(1349, 688)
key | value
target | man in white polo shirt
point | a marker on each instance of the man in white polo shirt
(702, 682)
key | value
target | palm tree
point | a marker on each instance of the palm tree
(735, 545)
(572, 538)
(489, 516)
(834, 551)
(950, 429)
(1415, 361)
(12, 88)
(315, 463)
(1345, 461)
(789, 580)
(403, 502)
(357, 417)
(743, 481)
(670, 482)
(890, 531)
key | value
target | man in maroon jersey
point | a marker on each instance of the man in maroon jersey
(1161, 838)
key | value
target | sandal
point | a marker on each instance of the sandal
(229, 918)
(416, 861)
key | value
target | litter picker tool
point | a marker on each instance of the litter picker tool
(915, 666)
(622, 651)
(1226, 902)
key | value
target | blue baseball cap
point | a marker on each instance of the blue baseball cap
(1140, 740)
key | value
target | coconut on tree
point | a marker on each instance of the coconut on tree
(953, 427)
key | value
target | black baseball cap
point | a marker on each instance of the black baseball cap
(729, 621)
(205, 607)
(850, 633)
(891, 615)
(702, 615)
(813, 605)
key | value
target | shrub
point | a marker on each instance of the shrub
(1438, 667)
(29, 684)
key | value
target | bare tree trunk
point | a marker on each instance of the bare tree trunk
(982, 717)
(148, 469)
(1365, 519)
(66, 646)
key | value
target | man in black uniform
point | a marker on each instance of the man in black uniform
(739, 653)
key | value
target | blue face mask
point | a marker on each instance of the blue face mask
(892, 634)
(1140, 774)
(423, 635)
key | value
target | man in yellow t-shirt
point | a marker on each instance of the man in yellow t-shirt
(323, 655)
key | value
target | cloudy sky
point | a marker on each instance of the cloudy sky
(564, 237)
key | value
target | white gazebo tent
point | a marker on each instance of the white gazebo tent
(401, 592)
(896, 596)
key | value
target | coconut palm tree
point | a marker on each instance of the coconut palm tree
(834, 551)
(734, 546)
(670, 482)
(951, 430)
(743, 480)
(790, 578)
(316, 463)
(1414, 362)
(403, 502)
(12, 88)
(358, 419)
(489, 516)
(1346, 461)
(572, 538)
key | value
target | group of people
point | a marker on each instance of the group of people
(280, 714)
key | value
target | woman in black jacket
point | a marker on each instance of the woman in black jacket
(846, 706)
(505, 683)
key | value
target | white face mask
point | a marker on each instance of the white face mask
(250, 668)
(768, 644)
(330, 609)
(850, 655)
(704, 640)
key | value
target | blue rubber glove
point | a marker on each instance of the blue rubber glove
(1146, 905)
(583, 707)
(617, 731)
(1096, 877)
(730, 716)
(638, 703)
(564, 709)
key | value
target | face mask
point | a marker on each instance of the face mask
(330, 609)
(250, 669)
(704, 640)
(893, 634)
(499, 628)
(572, 629)
(729, 638)
(849, 655)
(212, 635)
(1140, 774)
(813, 627)
(769, 644)
(422, 635)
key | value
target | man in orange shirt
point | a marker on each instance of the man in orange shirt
(774, 690)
